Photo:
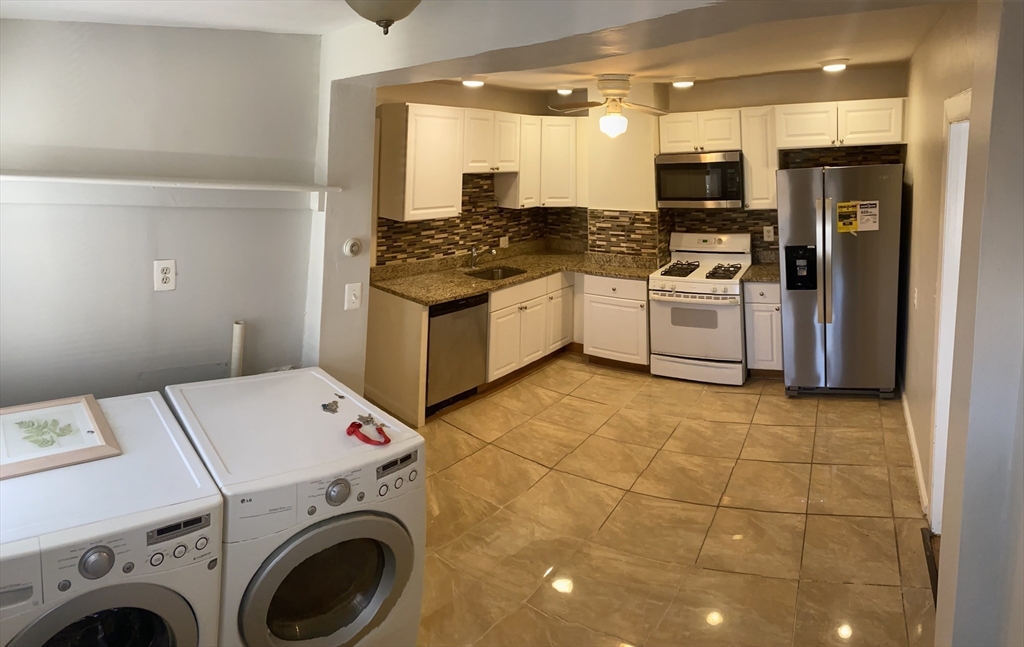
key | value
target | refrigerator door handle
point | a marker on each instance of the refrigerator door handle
(820, 258)
(828, 260)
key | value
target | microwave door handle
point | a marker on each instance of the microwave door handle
(819, 255)
(828, 260)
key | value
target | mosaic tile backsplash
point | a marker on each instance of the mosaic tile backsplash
(844, 156)
(622, 232)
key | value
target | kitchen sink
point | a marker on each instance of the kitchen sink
(495, 273)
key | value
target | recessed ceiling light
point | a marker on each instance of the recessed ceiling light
(473, 82)
(564, 91)
(835, 65)
(683, 83)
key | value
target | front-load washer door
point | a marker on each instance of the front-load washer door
(122, 615)
(330, 584)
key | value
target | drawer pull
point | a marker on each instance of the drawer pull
(776, 308)
(760, 294)
(615, 289)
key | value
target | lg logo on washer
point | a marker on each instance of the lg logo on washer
(248, 500)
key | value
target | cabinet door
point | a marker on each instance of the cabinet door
(760, 157)
(679, 132)
(806, 125)
(764, 336)
(533, 330)
(560, 305)
(503, 342)
(558, 162)
(506, 142)
(529, 162)
(433, 163)
(875, 121)
(615, 328)
(478, 156)
(719, 130)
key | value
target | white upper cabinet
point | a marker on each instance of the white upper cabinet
(679, 132)
(689, 132)
(421, 161)
(760, 157)
(522, 190)
(840, 123)
(875, 121)
(558, 162)
(478, 145)
(506, 142)
(806, 125)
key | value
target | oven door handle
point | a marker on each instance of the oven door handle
(669, 298)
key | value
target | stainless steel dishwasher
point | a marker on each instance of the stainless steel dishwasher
(456, 350)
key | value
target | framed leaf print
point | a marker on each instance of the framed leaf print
(48, 435)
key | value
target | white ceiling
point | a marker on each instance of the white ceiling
(282, 16)
(864, 38)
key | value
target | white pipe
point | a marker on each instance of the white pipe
(237, 348)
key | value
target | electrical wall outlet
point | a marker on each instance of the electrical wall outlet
(503, 241)
(353, 296)
(165, 275)
(769, 233)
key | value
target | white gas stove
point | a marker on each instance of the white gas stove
(696, 310)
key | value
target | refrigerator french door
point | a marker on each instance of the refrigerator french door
(839, 237)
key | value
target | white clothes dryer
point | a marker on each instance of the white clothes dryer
(324, 534)
(117, 552)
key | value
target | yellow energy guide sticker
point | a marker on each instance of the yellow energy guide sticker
(847, 217)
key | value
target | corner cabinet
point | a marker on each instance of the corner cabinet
(760, 157)
(763, 324)
(840, 123)
(688, 132)
(421, 161)
(558, 162)
(527, 322)
(615, 319)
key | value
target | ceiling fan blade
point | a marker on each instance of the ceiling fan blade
(576, 107)
(645, 109)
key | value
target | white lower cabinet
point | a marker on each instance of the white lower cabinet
(615, 327)
(559, 320)
(763, 324)
(503, 342)
(527, 322)
(533, 329)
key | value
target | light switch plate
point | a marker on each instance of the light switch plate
(353, 296)
(769, 233)
(503, 241)
(165, 275)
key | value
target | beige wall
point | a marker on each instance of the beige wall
(872, 82)
(445, 93)
(941, 67)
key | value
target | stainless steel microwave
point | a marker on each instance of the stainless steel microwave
(700, 180)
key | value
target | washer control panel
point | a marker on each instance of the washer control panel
(397, 473)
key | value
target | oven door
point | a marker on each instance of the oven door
(698, 326)
(700, 180)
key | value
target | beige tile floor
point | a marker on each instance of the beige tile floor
(584, 505)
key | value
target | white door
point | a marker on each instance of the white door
(806, 125)
(679, 132)
(479, 142)
(559, 332)
(533, 330)
(760, 157)
(875, 121)
(764, 336)
(503, 342)
(615, 328)
(506, 142)
(719, 130)
(433, 163)
(558, 162)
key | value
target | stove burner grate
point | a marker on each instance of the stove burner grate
(681, 269)
(722, 271)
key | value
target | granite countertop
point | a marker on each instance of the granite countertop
(448, 285)
(762, 273)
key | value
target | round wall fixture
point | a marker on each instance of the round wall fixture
(383, 12)
(352, 247)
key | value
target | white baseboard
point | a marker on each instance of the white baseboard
(922, 488)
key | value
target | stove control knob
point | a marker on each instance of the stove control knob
(338, 492)
(96, 562)
(714, 289)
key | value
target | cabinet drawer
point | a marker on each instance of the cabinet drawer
(517, 294)
(556, 282)
(620, 288)
(762, 293)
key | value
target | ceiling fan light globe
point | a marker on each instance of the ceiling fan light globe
(564, 91)
(613, 125)
(383, 12)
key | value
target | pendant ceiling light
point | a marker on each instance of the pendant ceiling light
(383, 12)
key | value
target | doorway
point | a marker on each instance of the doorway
(957, 123)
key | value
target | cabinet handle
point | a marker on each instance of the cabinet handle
(833, 141)
(841, 141)
(615, 289)
(522, 206)
(643, 305)
(746, 206)
(776, 308)
(694, 148)
(761, 294)
(551, 298)
(702, 148)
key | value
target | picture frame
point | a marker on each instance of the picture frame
(48, 435)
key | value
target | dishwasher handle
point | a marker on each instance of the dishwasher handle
(448, 307)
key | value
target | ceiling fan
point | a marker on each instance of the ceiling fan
(615, 89)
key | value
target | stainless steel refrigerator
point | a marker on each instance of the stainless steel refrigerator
(839, 244)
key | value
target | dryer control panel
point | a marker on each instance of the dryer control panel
(397, 473)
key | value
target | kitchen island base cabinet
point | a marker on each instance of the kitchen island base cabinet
(615, 327)
(763, 323)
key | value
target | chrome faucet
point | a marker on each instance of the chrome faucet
(473, 254)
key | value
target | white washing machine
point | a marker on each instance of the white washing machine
(119, 551)
(324, 535)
